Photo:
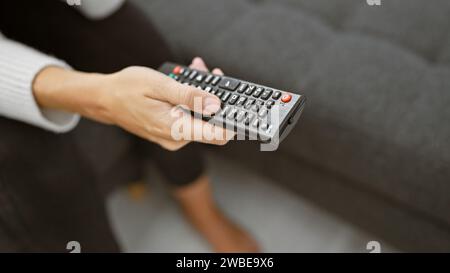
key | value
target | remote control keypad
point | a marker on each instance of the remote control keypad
(243, 103)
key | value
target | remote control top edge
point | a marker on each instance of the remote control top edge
(234, 92)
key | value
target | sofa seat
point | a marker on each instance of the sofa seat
(377, 80)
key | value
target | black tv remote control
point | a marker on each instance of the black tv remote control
(253, 111)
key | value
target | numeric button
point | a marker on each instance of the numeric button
(225, 111)
(258, 92)
(232, 114)
(249, 103)
(248, 118)
(233, 99)
(240, 116)
(250, 90)
(225, 96)
(241, 101)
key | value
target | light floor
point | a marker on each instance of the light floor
(281, 220)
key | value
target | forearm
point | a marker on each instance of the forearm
(71, 91)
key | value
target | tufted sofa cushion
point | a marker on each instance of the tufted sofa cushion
(377, 81)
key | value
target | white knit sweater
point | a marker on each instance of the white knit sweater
(20, 64)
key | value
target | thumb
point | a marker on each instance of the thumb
(193, 98)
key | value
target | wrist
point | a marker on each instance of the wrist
(68, 90)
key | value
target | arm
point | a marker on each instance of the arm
(19, 65)
(138, 99)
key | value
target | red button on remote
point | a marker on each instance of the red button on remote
(286, 98)
(177, 70)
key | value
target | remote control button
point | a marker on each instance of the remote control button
(199, 78)
(255, 108)
(249, 103)
(225, 96)
(219, 92)
(241, 101)
(256, 123)
(233, 99)
(240, 116)
(208, 89)
(232, 114)
(260, 102)
(258, 92)
(216, 80)
(229, 84)
(263, 112)
(276, 95)
(269, 104)
(186, 73)
(250, 90)
(209, 78)
(176, 70)
(248, 119)
(193, 74)
(225, 111)
(286, 98)
(242, 88)
(214, 91)
(266, 94)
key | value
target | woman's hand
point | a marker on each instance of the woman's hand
(138, 99)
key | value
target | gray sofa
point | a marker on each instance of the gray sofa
(373, 145)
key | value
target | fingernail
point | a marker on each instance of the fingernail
(211, 106)
(217, 71)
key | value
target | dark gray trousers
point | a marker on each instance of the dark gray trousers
(53, 187)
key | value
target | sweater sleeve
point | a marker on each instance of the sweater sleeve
(19, 65)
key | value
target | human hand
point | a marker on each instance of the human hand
(138, 99)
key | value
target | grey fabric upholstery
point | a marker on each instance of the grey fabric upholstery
(377, 81)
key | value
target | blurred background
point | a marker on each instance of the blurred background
(280, 220)
(370, 158)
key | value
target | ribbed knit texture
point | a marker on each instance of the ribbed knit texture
(18, 67)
